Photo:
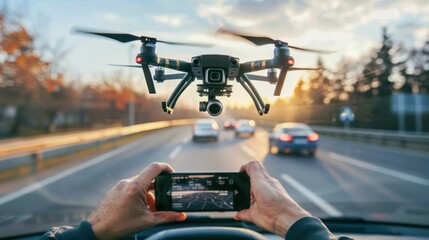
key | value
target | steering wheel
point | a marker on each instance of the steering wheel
(207, 233)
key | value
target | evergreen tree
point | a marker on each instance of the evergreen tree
(378, 70)
(318, 84)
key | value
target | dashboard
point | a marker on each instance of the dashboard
(367, 231)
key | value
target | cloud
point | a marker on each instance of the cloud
(352, 26)
(171, 20)
(241, 13)
(111, 17)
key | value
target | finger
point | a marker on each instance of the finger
(254, 169)
(153, 170)
(243, 215)
(168, 216)
(151, 202)
(152, 186)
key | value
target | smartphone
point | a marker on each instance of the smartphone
(201, 192)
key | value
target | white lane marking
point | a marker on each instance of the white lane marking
(318, 201)
(248, 151)
(37, 185)
(175, 151)
(186, 139)
(376, 168)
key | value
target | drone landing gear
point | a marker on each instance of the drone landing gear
(261, 107)
(171, 102)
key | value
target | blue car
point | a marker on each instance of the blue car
(293, 137)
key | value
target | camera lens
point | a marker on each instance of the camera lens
(214, 76)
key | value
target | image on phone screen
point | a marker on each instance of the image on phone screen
(202, 192)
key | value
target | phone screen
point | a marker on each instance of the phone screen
(203, 191)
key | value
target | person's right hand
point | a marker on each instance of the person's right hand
(271, 206)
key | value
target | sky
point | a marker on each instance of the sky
(350, 27)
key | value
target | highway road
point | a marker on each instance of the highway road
(343, 179)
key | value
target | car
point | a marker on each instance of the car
(244, 126)
(293, 137)
(205, 129)
(229, 124)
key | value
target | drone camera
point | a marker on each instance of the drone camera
(214, 107)
(215, 76)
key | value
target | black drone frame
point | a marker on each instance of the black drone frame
(282, 60)
(200, 67)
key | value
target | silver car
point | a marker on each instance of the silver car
(244, 126)
(205, 129)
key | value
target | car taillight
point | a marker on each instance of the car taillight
(227, 124)
(237, 125)
(313, 137)
(286, 137)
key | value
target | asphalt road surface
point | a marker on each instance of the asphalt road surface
(343, 179)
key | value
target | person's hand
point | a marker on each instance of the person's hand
(129, 207)
(271, 206)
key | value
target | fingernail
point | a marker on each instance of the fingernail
(182, 217)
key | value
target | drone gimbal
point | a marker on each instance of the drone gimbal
(215, 71)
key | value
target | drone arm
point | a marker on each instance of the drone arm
(257, 65)
(174, 64)
(257, 78)
(184, 83)
(162, 78)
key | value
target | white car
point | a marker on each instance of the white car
(205, 129)
(244, 126)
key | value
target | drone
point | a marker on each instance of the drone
(215, 71)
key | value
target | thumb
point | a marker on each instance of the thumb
(243, 215)
(168, 216)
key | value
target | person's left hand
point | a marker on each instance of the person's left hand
(129, 207)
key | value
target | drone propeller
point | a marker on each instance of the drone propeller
(125, 37)
(262, 40)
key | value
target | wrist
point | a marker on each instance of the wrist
(98, 229)
(285, 220)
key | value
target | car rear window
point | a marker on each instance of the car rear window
(297, 131)
(204, 126)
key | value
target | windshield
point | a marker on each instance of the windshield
(77, 113)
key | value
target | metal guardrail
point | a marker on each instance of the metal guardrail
(409, 140)
(385, 137)
(15, 153)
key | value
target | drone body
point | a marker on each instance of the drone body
(214, 71)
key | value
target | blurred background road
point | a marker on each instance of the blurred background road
(344, 178)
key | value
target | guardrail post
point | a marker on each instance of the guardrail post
(37, 158)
